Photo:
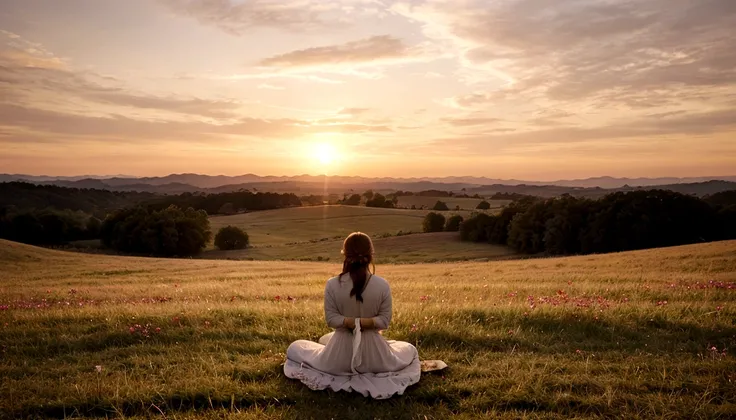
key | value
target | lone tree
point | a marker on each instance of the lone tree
(433, 222)
(440, 206)
(484, 205)
(231, 237)
(453, 223)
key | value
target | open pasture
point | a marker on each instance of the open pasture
(635, 335)
(303, 224)
(417, 248)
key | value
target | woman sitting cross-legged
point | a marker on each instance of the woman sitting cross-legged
(356, 356)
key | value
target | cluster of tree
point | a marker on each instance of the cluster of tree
(440, 206)
(313, 200)
(170, 232)
(231, 237)
(436, 222)
(379, 200)
(26, 196)
(237, 201)
(352, 200)
(48, 226)
(617, 222)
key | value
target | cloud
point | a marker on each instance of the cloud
(368, 50)
(237, 17)
(274, 75)
(577, 50)
(471, 121)
(642, 130)
(270, 87)
(353, 111)
(29, 74)
(62, 125)
(27, 55)
(365, 58)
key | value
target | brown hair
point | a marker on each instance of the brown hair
(358, 252)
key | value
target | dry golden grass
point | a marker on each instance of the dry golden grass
(627, 335)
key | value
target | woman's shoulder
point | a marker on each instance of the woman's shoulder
(379, 280)
(333, 280)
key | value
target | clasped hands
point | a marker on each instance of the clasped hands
(365, 323)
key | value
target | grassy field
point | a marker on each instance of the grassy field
(452, 202)
(426, 247)
(635, 335)
(302, 224)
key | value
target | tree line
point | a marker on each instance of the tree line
(617, 222)
(238, 201)
(47, 226)
(53, 215)
(169, 232)
(24, 196)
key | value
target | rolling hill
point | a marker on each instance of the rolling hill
(631, 335)
(308, 184)
(304, 224)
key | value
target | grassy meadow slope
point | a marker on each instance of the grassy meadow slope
(637, 335)
(425, 247)
(302, 224)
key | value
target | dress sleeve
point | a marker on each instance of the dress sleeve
(332, 315)
(383, 318)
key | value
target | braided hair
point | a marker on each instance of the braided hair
(358, 253)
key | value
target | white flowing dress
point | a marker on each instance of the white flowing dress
(377, 367)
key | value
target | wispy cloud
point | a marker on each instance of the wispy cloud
(237, 17)
(369, 50)
(270, 87)
(353, 111)
(364, 58)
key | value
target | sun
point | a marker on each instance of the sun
(325, 153)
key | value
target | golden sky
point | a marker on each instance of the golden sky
(526, 89)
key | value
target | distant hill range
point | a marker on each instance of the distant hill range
(310, 184)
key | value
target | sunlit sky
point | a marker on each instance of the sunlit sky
(526, 89)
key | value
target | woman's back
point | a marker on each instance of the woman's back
(376, 299)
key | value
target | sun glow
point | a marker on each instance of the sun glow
(325, 153)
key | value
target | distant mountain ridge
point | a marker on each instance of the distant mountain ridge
(189, 182)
